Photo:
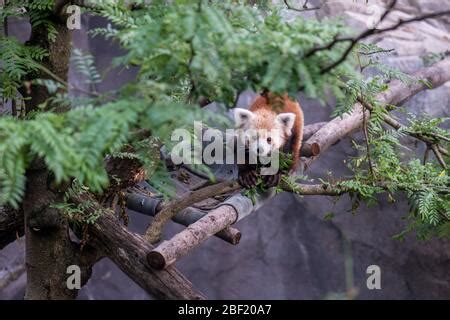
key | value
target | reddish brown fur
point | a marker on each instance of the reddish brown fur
(268, 106)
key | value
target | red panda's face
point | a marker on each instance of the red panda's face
(263, 131)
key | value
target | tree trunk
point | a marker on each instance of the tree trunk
(49, 250)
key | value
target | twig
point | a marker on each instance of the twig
(303, 9)
(438, 155)
(65, 83)
(362, 36)
(438, 136)
(373, 31)
(379, 31)
(353, 40)
(425, 155)
(376, 52)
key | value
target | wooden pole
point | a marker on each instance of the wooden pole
(169, 251)
(128, 252)
(149, 206)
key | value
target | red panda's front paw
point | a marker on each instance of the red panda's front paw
(248, 179)
(272, 180)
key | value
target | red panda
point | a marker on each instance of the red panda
(278, 123)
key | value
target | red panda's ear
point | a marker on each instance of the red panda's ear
(286, 122)
(242, 117)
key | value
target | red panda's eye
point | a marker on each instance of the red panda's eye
(269, 140)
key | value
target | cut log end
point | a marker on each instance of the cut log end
(310, 149)
(156, 260)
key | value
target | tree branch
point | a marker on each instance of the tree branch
(398, 126)
(169, 251)
(439, 157)
(373, 31)
(397, 93)
(303, 9)
(153, 233)
(128, 251)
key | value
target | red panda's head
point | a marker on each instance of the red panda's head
(263, 131)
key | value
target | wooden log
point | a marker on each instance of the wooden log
(149, 206)
(169, 251)
(232, 210)
(310, 129)
(397, 94)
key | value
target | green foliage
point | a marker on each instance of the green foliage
(384, 168)
(17, 61)
(429, 127)
(84, 64)
(223, 48)
(83, 213)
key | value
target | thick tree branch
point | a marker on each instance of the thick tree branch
(169, 251)
(222, 217)
(153, 233)
(128, 251)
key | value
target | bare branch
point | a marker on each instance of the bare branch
(373, 31)
(367, 142)
(128, 251)
(303, 9)
(439, 157)
(153, 233)
(398, 126)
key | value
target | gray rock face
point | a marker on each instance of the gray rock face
(288, 250)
